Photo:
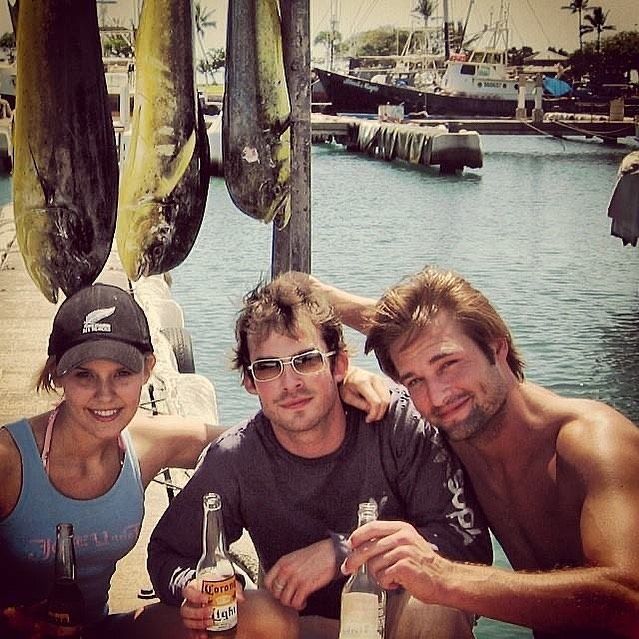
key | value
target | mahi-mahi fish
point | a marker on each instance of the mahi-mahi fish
(165, 175)
(256, 113)
(65, 176)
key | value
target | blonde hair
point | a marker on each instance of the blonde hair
(408, 307)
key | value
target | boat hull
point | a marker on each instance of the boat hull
(355, 95)
(348, 94)
(442, 104)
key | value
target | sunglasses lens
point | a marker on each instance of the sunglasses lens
(267, 369)
(308, 363)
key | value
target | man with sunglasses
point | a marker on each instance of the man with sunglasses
(293, 476)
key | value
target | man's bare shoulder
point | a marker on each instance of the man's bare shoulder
(593, 433)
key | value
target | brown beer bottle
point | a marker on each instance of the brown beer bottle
(214, 571)
(65, 604)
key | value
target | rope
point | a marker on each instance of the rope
(610, 135)
(545, 133)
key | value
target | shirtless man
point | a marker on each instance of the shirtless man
(558, 478)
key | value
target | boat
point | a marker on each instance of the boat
(351, 94)
(480, 84)
(371, 81)
(477, 83)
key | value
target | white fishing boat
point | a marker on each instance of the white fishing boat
(481, 82)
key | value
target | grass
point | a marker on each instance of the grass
(213, 91)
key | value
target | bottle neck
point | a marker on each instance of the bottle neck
(213, 539)
(366, 513)
(64, 553)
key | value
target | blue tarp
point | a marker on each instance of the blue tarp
(556, 87)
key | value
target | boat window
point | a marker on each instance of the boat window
(467, 69)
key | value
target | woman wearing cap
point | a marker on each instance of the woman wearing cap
(89, 460)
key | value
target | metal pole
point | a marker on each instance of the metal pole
(446, 31)
(292, 245)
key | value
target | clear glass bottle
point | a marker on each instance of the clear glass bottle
(215, 572)
(65, 603)
(363, 614)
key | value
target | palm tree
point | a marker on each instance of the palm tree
(598, 23)
(425, 9)
(202, 23)
(578, 6)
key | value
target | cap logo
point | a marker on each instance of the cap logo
(93, 324)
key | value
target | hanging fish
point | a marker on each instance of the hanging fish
(256, 113)
(165, 174)
(65, 176)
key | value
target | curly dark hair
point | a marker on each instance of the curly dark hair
(281, 305)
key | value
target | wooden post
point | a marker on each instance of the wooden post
(520, 112)
(292, 245)
(538, 111)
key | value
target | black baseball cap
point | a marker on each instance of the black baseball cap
(100, 322)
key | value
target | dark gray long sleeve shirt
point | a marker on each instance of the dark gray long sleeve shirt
(288, 502)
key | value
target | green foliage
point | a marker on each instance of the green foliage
(117, 46)
(425, 9)
(597, 22)
(325, 37)
(578, 6)
(517, 56)
(8, 40)
(203, 22)
(203, 19)
(215, 59)
(612, 63)
(382, 41)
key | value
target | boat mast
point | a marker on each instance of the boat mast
(446, 32)
(463, 33)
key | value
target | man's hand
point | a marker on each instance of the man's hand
(367, 391)
(195, 610)
(397, 555)
(299, 574)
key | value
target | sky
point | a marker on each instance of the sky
(536, 23)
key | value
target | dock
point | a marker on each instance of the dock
(340, 127)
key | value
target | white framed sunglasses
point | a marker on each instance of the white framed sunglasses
(306, 363)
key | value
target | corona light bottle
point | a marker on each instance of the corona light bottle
(65, 604)
(215, 571)
(363, 614)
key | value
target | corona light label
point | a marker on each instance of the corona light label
(223, 600)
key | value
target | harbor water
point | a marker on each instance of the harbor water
(529, 229)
